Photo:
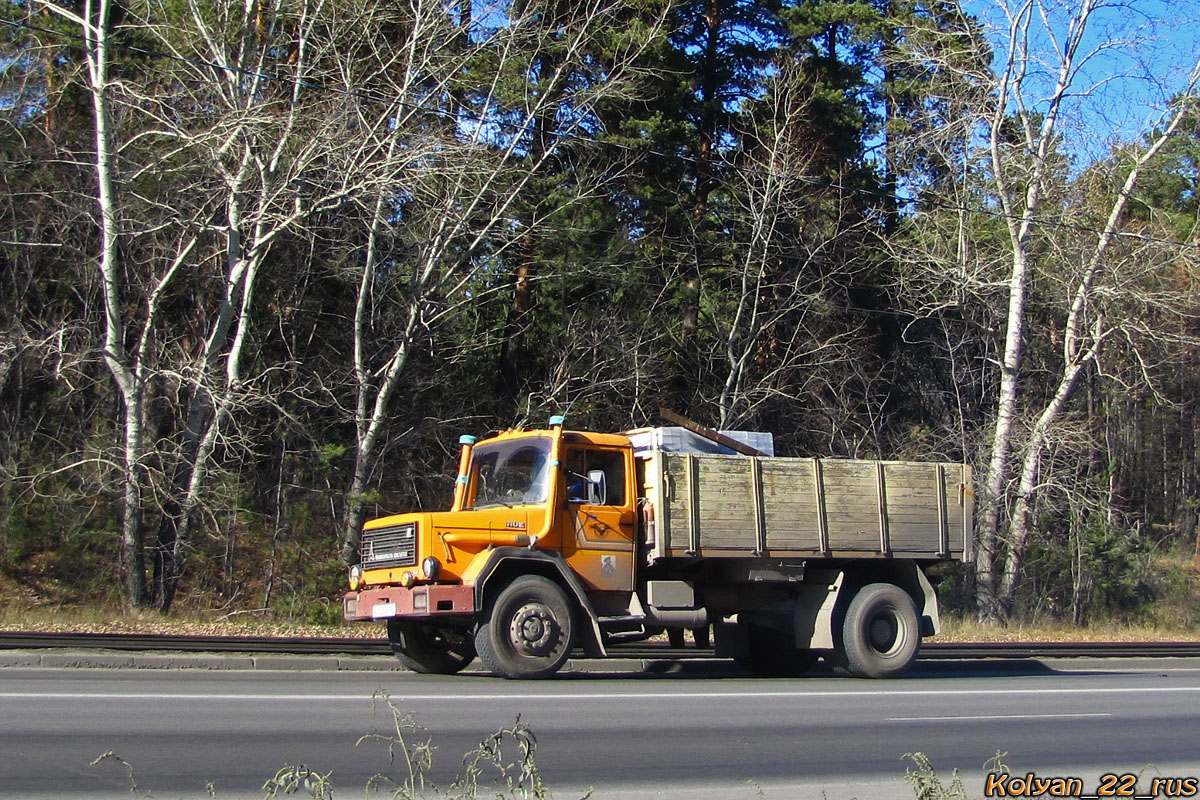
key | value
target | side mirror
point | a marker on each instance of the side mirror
(597, 488)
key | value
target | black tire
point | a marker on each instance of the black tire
(881, 633)
(431, 649)
(771, 654)
(528, 630)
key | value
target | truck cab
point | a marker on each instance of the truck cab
(549, 515)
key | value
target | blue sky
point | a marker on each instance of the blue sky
(1141, 54)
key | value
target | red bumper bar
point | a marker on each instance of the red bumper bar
(432, 600)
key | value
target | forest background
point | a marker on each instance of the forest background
(262, 262)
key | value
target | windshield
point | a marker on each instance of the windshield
(511, 473)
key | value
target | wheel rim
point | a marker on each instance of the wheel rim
(885, 633)
(533, 631)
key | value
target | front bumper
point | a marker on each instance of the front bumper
(430, 600)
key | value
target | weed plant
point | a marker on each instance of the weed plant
(503, 767)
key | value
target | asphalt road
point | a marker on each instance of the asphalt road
(706, 735)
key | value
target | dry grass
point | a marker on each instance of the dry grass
(42, 605)
(104, 620)
(968, 630)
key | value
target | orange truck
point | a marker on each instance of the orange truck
(559, 539)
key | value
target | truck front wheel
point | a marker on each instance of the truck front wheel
(430, 649)
(881, 634)
(528, 630)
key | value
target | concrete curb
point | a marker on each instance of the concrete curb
(228, 662)
(109, 659)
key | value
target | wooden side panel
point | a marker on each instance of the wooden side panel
(958, 506)
(912, 506)
(676, 528)
(790, 504)
(966, 494)
(852, 505)
(727, 509)
(804, 506)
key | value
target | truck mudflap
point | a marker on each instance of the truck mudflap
(388, 602)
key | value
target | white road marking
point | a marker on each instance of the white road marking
(1126, 671)
(492, 697)
(975, 717)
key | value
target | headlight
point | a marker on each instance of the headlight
(355, 577)
(431, 567)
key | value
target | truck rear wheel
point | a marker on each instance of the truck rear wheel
(528, 631)
(430, 649)
(772, 654)
(881, 633)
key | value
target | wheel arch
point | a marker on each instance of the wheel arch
(822, 603)
(904, 573)
(506, 563)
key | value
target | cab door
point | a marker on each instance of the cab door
(599, 519)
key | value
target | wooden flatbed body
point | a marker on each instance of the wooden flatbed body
(720, 505)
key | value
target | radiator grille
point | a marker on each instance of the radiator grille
(390, 547)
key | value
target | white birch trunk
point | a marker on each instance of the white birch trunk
(252, 222)
(1078, 352)
(1020, 211)
(94, 24)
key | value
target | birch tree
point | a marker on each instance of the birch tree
(1086, 328)
(1051, 61)
(235, 142)
(127, 364)
(440, 223)
(1021, 195)
(279, 153)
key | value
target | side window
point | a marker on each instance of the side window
(581, 462)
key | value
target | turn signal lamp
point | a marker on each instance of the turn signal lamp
(355, 577)
(408, 579)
